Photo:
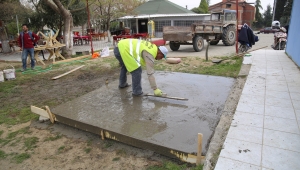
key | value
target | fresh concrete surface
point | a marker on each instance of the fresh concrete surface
(165, 122)
(265, 133)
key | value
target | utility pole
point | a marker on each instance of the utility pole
(237, 26)
(274, 9)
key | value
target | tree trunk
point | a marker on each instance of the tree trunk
(108, 31)
(57, 6)
(68, 39)
(4, 39)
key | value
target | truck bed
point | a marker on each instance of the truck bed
(177, 33)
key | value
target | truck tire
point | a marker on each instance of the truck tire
(214, 42)
(174, 46)
(198, 43)
(228, 36)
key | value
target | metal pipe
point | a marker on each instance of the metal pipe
(89, 22)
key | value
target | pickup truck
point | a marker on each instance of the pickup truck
(268, 30)
(221, 26)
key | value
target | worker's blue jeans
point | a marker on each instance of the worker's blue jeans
(25, 53)
(136, 75)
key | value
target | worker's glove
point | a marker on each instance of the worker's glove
(158, 93)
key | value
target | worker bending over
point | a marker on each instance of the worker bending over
(134, 53)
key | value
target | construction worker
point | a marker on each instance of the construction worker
(134, 53)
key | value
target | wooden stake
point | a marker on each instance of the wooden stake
(51, 115)
(57, 77)
(199, 152)
(176, 98)
(102, 135)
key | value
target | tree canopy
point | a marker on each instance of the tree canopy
(203, 7)
(268, 16)
(258, 17)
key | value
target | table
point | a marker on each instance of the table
(81, 38)
(117, 38)
(37, 50)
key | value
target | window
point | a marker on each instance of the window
(228, 5)
(160, 24)
(183, 23)
(228, 17)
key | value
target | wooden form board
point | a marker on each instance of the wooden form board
(39, 111)
(72, 59)
(57, 77)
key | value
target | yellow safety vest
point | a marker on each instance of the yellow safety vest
(131, 52)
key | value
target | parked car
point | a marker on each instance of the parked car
(268, 30)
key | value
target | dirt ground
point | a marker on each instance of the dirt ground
(57, 146)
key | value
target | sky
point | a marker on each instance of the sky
(195, 3)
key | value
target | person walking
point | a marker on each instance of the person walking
(134, 53)
(27, 40)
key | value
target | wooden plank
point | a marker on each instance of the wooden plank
(167, 97)
(199, 151)
(59, 76)
(39, 111)
(72, 59)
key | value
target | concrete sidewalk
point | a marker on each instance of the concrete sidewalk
(264, 132)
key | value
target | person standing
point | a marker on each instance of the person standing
(27, 40)
(134, 53)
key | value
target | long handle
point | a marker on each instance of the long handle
(176, 98)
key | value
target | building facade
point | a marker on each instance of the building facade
(138, 24)
(246, 10)
(293, 43)
(163, 13)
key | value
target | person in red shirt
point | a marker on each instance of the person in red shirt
(27, 40)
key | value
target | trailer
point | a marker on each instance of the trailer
(221, 26)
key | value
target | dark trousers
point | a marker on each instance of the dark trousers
(136, 75)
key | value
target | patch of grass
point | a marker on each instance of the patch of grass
(121, 152)
(108, 144)
(87, 150)
(3, 155)
(16, 141)
(11, 115)
(53, 138)
(89, 142)
(229, 67)
(30, 142)
(4, 142)
(21, 131)
(61, 149)
(19, 158)
(199, 167)
(116, 159)
(168, 166)
(1, 132)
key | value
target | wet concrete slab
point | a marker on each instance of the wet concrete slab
(165, 122)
